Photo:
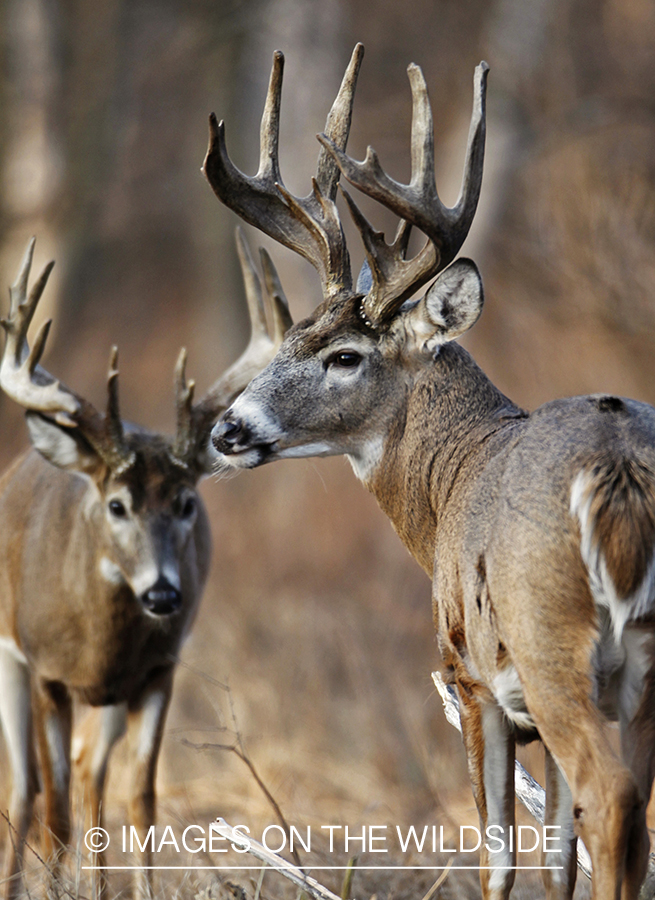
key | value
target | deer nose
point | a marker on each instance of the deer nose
(228, 433)
(162, 598)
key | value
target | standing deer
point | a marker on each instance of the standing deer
(105, 553)
(538, 529)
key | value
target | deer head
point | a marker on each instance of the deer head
(143, 485)
(339, 376)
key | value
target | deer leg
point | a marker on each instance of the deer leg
(559, 856)
(54, 717)
(16, 719)
(608, 811)
(490, 756)
(145, 725)
(91, 759)
(637, 725)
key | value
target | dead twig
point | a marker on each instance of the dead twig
(237, 746)
(440, 880)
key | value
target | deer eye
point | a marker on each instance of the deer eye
(117, 509)
(188, 508)
(345, 359)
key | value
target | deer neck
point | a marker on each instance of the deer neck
(452, 421)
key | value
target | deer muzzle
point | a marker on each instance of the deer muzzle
(245, 437)
(162, 599)
(229, 436)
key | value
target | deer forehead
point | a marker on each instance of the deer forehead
(153, 480)
(339, 325)
(332, 321)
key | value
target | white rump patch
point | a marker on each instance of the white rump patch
(621, 609)
(507, 690)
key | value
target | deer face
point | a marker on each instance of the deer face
(316, 397)
(336, 383)
(143, 518)
(148, 523)
(141, 503)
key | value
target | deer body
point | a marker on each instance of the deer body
(105, 553)
(538, 530)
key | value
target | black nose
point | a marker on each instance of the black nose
(228, 433)
(162, 598)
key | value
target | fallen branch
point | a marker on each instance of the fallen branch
(283, 866)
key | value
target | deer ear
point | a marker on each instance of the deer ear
(65, 448)
(451, 306)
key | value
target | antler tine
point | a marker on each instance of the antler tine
(21, 377)
(281, 316)
(337, 126)
(309, 225)
(113, 424)
(467, 203)
(252, 285)
(418, 202)
(261, 347)
(184, 443)
(269, 129)
(391, 277)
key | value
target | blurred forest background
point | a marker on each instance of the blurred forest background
(315, 616)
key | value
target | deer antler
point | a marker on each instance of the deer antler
(308, 225)
(394, 279)
(195, 422)
(26, 382)
(311, 225)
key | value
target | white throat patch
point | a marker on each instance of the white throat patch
(366, 461)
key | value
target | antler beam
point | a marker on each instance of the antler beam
(394, 278)
(308, 225)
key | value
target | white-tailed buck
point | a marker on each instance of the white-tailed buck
(538, 529)
(104, 555)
